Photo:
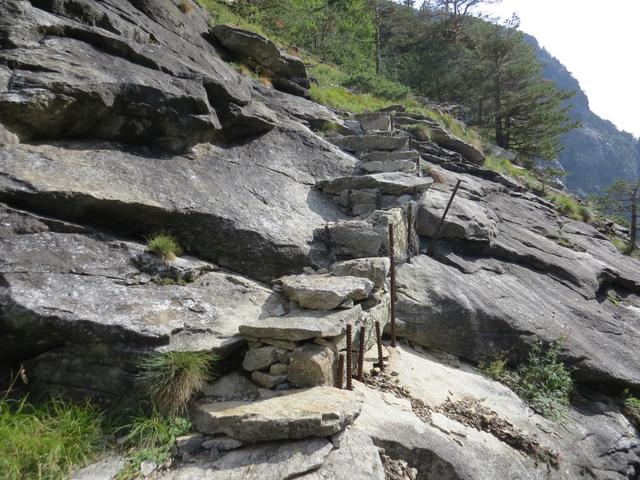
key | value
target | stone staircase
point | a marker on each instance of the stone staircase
(299, 347)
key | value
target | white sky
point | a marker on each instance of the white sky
(598, 42)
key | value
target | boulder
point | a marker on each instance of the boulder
(325, 292)
(313, 365)
(267, 461)
(257, 49)
(375, 269)
(367, 143)
(266, 380)
(290, 415)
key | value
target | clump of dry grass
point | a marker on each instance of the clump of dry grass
(185, 6)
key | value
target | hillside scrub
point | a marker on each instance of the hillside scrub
(542, 379)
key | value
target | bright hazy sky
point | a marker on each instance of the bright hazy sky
(598, 42)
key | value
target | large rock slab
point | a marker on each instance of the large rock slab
(292, 415)
(367, 143)
(56, 317)
(391, 183)
(269, 461)
(302, 325)
(501, 308)
(325, 292)
(467, 219)
(374, 121)
(375, 269)
(390, 166)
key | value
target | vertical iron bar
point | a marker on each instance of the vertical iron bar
(393, 284)
(444, 215)
(340, 371)
(409, 230)
(349, 357)
(361, 353)
(379, 343)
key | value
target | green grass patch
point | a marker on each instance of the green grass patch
(570, 207)
(46, 442)
(149, 437)
(170, 379)
(542, 380)
(164, 245)
(377, 86)
(632, 408)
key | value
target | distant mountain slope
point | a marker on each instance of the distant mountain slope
(598, 153)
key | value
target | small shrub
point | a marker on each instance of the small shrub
(542, 380)
(570, 207)
(632, 408)
(170, 379)
(437, 176)
(150, 438)
(164, 245)
(185, 6)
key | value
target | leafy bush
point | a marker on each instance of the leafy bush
(170, 379)
(377, 86)
(164, 245)
(46, 442)
(542, 380)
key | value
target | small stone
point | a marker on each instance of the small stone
(259, 358)
(277, 288)
(309, 270)
(189, 443)
(313, 365)
(279, 369)
(186, 456)
(147, 468)
(413, 473)
(394, 374)
(214, 454)
(347, 304)
(279, 311)
(322, 271)
(283, 386)
(222, 443)
(375, 371)
(283, 356)
(267, 381)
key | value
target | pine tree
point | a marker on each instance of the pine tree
(622, 198)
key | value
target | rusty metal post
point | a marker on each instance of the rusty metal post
(340, 371)
(409, 230)
(361, 354)
(349, 357)
(418, 172)
(379, 343)
(392, 271)
(444, 215)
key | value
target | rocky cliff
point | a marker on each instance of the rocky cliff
(597, 153)
(120, 119)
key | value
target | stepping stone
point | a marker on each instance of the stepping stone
(394, 183)
(325, 292)
(393, 166)
(364, 143)
(376, 121)
(303, 325)
(375, 269)
(290, 415)
(411, 155)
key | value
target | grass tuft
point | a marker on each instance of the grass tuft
(418, 131)
(185, 6)
(47, 442)
(542, 380)
(632, 408)
(164, 245)
(170, 379)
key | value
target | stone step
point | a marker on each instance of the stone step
(325, 292)
(387, 167)
(367, 143)
(390, 183)
(375, 121)
(291, 415)
(391, 156)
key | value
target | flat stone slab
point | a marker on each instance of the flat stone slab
(271, 461)
(375, 269)
(292, 415)
(303, 325)
(366, 143)
(392, 166)
(390, 183)
(325, 292)
(375, 121)
(391, 156)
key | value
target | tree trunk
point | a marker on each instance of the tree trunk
(376, 22)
